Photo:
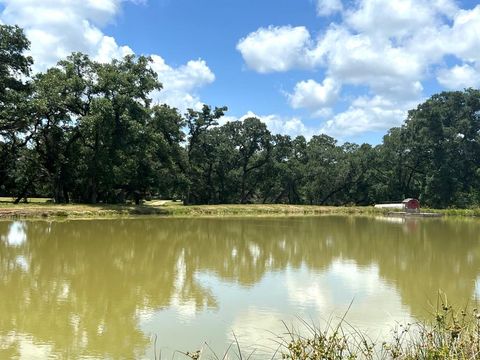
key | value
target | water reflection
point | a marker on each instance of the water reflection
(16, 235)
(99, 288)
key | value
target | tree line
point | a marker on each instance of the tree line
(89, 132)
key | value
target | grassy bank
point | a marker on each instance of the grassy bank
(42, 208)
(474, 212)
(47, 210)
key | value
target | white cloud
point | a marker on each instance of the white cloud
(286, 126)
(276, 124)
(108, 50)
(463, 38)
(194, 74)
(366, 114)
(56, 28)
(364, 60)
(275, 48)
(329, 7)
(398, 18)
(180, 84)
(383, 48)
(459, 77)
(314, 96)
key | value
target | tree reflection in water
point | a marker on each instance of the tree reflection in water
(79, 288)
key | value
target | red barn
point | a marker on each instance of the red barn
(411, 205)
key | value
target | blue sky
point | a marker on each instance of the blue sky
(350, 69)
(181, 30)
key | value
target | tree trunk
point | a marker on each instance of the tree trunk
(23, 193)
(137, 197)
(244, 180)
(92, 193)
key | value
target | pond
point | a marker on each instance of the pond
(106, 288)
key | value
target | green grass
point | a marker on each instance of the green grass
(38, 209)
(48, 210)
(41, 208)
(456, 212)
(265, 210)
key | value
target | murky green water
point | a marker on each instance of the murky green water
(102, 289)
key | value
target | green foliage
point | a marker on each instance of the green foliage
(200, 146)
(14, 69)
(88, 132)
(435, 155)
(15, 109)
